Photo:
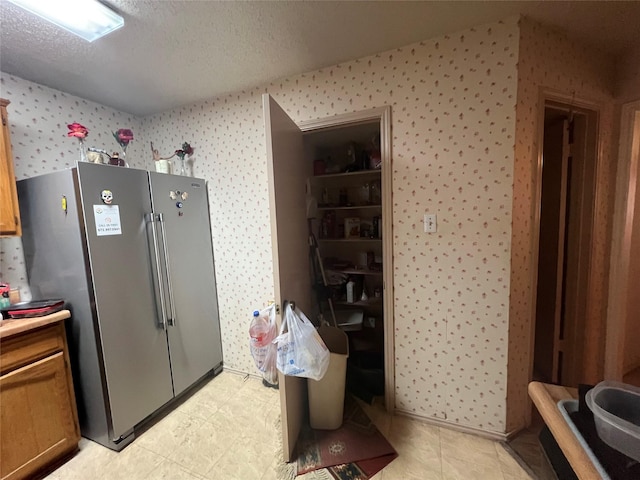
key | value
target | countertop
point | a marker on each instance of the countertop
(11, 327)
(546, 398)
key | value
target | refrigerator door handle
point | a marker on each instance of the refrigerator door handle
(150, 217)
(172, 306)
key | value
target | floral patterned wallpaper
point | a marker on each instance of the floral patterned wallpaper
(38, 118)
(628, 77)
(453, 118)
(548, 59)
(454, 124)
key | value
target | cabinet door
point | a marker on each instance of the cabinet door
(289, 236)
(36, 417)
(9, 213)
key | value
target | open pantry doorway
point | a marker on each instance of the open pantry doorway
(290, 161)
(350, 219)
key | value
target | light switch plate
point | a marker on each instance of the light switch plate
(430, 225)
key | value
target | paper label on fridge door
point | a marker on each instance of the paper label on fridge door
(107, 220)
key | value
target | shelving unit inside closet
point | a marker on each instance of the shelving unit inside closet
(345, 211)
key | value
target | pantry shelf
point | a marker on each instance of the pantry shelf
(360, 173)
(366, 303)
(351, 207)
(355, 271)
(351, 240)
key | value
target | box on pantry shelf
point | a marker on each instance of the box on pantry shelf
(352, 227)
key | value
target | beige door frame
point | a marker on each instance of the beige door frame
(545, 96)
(383, 115)
(623, 217)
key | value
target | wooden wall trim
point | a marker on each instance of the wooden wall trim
(625, 194)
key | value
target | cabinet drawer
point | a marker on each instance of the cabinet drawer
(32, 346)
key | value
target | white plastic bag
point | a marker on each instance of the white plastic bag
(301, 351)
(268, 369)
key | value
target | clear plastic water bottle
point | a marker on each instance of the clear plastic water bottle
(261, 336)
(259, 330)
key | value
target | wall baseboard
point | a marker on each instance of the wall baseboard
(488, 434)
(240, 372)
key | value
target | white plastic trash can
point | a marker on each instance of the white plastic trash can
(326, 396)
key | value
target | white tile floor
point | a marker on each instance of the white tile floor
(227, 431)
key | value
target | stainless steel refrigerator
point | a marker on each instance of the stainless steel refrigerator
(131, 253)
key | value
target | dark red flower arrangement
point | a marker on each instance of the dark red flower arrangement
(185, 150)
(123, 136)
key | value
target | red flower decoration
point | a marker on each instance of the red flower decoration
(77, 130)
(123, 136)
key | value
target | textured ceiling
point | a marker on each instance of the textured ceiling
(172, 53)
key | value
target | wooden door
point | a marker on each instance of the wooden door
(289, 236)
(580, 209)
(549, 328)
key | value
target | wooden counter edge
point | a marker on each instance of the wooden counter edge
(10, 327)
(546, 398)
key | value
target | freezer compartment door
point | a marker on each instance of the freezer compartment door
(57, 267)
(134, 345)
(192, 307)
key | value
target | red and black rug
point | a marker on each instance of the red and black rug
(355, 451)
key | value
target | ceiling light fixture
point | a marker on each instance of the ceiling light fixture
(88, 19)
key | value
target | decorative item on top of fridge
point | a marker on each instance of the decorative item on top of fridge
(116, 161)
(180, 166)
(186, 150)
(80, 132)
(162, 164)
(123, 136)
(262, 332)
(99, 155)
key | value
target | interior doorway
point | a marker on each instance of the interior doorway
(291, 207)
(567, 204)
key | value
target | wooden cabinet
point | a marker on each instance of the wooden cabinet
(38, 417)
(9, 211)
